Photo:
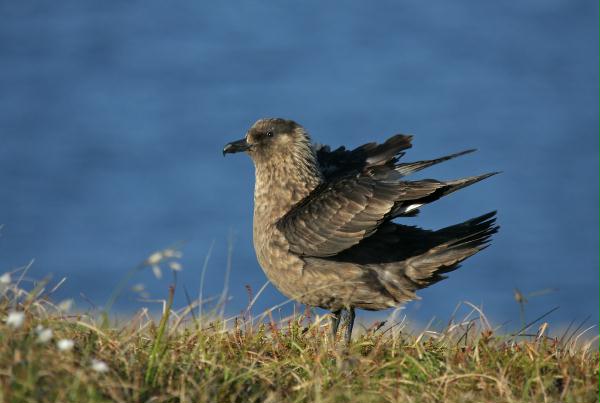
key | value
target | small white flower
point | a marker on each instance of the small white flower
(138, 287)
(15, 319)
(65, 344)
(157, 272)
(175, 266)
(154, 258)
(99, 366)
(172, 253)
(44, 334)
(4, 282)
(5, 279)
(65, 306)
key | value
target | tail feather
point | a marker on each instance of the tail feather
(447, 248)
(466, 240)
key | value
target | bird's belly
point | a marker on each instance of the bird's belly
(315, 282)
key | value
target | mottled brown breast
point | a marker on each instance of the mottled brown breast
(280, 184)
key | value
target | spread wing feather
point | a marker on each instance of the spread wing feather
(341, 162)
(335, 217)
(362, 189)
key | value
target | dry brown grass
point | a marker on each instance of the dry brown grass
(178, 358)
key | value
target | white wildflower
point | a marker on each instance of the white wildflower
(138, 287)
(5, 279)
(65, 306)
(99, 366)
(44, 335)
(175, 266)
(65, 344)
(154, 259)
(157, 258)
(172, 253)
(15, 319)
(4, 282)
(157, 272)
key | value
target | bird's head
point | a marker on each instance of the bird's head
(268, 138)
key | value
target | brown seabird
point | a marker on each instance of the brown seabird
(323, 230)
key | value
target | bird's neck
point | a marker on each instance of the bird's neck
(283, 182)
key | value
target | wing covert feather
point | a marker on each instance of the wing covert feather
(341, 214)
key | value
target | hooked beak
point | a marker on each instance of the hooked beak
(236, 147)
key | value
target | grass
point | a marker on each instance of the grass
(181, 358)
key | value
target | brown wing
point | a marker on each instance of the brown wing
(340, 214)
(362, 190)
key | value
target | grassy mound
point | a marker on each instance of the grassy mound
(47, 355)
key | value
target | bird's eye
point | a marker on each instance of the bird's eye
(269, 133)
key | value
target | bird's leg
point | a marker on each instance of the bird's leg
(351, 316)
(335, 322)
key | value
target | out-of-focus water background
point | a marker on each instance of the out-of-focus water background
(113, 116)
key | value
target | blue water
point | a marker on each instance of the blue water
(113, 116)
